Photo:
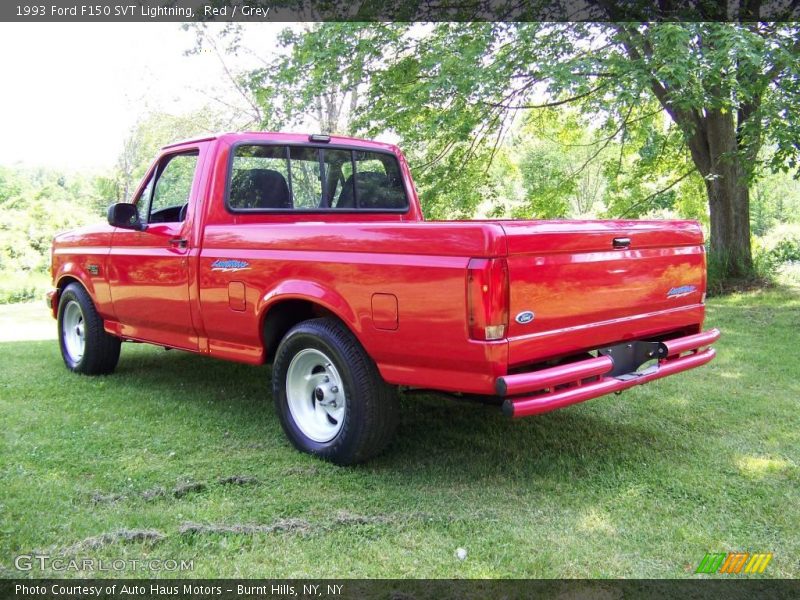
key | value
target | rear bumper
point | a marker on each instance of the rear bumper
(541, 391)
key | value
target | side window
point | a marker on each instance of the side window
(172, 189)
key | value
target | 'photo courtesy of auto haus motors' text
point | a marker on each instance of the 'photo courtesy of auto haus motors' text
(307, 299)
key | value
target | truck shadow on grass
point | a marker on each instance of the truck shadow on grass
(437, 436)
(215, 407)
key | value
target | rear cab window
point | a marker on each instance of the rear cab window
(267, 178)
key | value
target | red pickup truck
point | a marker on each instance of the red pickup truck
(311, 253)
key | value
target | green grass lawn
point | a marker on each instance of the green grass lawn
(637, 485)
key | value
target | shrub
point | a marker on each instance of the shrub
(23, 287)
(783, 243)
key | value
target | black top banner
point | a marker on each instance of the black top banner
(399, 10)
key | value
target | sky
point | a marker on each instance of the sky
(71, 92)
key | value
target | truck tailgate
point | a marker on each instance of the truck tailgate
(594, 282)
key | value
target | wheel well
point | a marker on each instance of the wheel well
(283, 316)
(66, 280)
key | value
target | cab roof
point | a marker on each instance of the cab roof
(295, 138)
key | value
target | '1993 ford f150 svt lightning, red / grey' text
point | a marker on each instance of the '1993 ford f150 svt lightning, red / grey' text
(311, 253)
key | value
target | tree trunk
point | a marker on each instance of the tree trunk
(729, 204)
(712, 139)
(716, 154)
(728, 196)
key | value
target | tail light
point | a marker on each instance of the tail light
(487, 298)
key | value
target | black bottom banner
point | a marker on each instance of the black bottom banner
(393, 589)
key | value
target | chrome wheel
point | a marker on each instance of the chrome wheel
(315, 395)
(73, 330)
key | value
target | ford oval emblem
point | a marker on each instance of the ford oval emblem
(526, 316)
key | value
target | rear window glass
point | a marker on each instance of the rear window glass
(260, 178)
(310, 178)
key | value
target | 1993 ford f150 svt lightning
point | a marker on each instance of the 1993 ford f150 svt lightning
(311, 253)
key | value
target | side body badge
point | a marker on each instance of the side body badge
(683, 290)
(228, 265)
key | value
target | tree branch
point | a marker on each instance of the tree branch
(547, 104)
(658, 193)
(689, 121)
(234, 82)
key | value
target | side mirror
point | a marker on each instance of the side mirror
(124, 215)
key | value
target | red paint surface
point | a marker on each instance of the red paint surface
(583, 293)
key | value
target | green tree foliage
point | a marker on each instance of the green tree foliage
(319, 74)
(34, 206)
(449, 92)
(555, 163)
(775, 201)
(153, 131)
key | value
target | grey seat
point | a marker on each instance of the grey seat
(260, 188)
(374, 190)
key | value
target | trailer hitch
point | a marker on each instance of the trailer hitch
(629, 356)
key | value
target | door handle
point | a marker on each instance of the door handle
(179, 242)
(621, 242)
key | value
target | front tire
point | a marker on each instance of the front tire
(85, 346)
(329, 396)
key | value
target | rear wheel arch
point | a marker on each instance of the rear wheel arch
(280, 316)
(293, 301)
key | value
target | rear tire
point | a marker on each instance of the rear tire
(329, 396)
(85, 346)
